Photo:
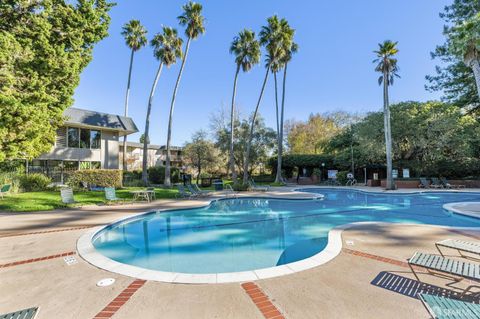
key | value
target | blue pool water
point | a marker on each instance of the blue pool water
(245, 234)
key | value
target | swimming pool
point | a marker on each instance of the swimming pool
(235, 235)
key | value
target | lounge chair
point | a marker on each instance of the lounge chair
(258, 188)
(152, 193)
(29, 313)
(182, 192)
(436, 183)
(446, 267)
(424, 183)
(206, 193)
(442, 307)
(110, 194)
(446, 184)
(194, 191)
(66, 194)
(459, 245)
(5, 190)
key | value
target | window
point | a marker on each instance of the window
(70, 165)
(95, 139)
(73, 138)
(85, 165)
(95, 165)
(84, 138)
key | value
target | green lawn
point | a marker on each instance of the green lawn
(49, 200)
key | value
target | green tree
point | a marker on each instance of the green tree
(270, 38)
(247, 53)
(387, 66)
(193, 20)
(464, 43)
(167, 48)
(135, 38)
(45, 45)
(263, 141)
(200, 153)
(453, 77)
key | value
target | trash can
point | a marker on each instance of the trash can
(187, 179)
(218, 184)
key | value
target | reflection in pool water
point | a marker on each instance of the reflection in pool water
(245, 234)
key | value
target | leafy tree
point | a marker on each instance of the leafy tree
(387, 66)
(193, 20)
(45, 45)
(454, 77)
(200, 153)
(167, 47)
(313, 136)
(431, 138)
(135, 38)
(247, 53)
(464, 43)
(263, 141)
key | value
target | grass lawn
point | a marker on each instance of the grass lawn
(49, 200)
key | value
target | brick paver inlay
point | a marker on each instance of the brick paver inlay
(376, 257)
(34, 260)
(261, 300)
(120, 300)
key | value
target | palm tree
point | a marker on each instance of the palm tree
(464, 42)
(167, 47)
(247, 53)
(135, 38)
(289, 48)
(387, 66)
(194, 21)
(270, 38)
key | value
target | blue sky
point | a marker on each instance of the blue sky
(332, 71)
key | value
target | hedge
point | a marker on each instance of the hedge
(97, 177)
(156, 175)
(35, 182)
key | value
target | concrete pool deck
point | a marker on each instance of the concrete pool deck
(367, 279)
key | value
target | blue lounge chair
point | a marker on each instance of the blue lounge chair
(5, 190)
(182, 193)
(110, 194)
(448, 308)
(424, 183)
(258, 188)
(29, 313)
(460, 246)
(457, 270)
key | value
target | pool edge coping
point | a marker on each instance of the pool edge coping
(334, 246)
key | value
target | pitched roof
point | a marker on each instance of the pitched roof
(154, 147)
(124, 125)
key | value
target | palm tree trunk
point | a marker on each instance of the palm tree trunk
(167, 181)
(475, 65)
(388, 133)
(276, 104)
(146, 138)
(278, 178)
(252, 126)
(127, 96)
(232, 126)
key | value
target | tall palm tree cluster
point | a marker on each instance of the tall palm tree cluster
(277, 39)
(167, 49)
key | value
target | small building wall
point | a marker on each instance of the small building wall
(110, 149)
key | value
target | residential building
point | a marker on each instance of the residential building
(156, 155)
(87, 140)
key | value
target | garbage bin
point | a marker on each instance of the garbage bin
(187, 179)
(218, 184)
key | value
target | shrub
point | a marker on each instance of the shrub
(266, 178)
(156, 175)
(342, 177)
(97, 177)
(240, 187)
(34, 182)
